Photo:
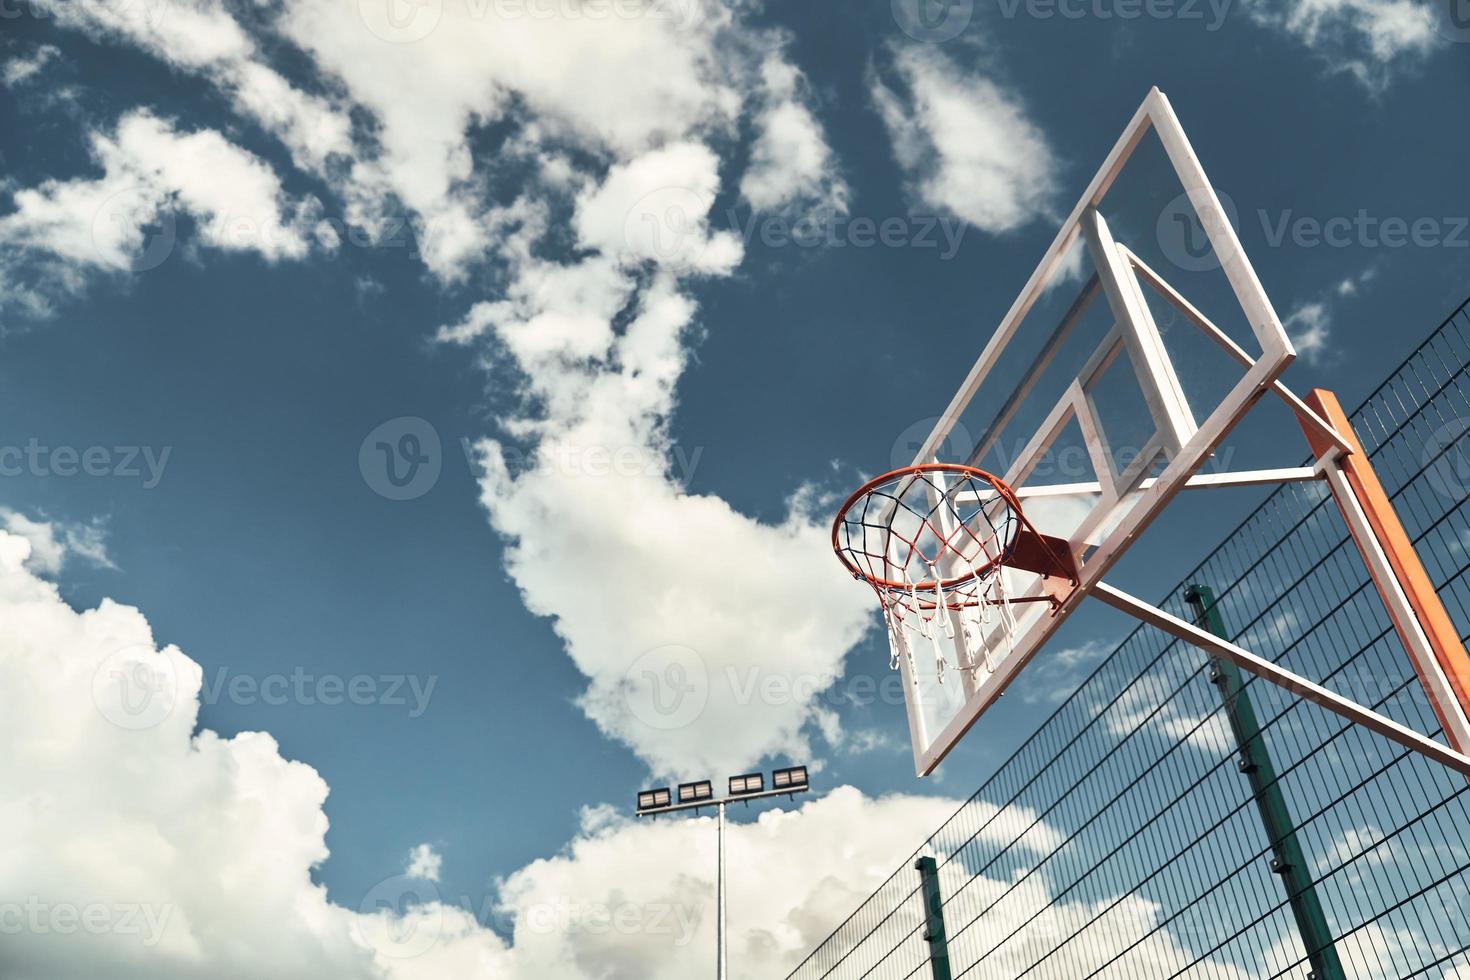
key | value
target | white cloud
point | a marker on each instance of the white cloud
(1310, 328)
(1056, 674)
(966, 144)
(872, 740)
(191, 854)
(616, 85)
(1309, 324)
(53, 543)
(310, 126)
(655, 208)
(1356, 847)
(424, 862)
(652, 588)
(618, 114)
(111, 803)
(189, 34)
(1139, 710)
(790, 161)
(61, 234)
(126, 218)
(1368, 39)
(201, 37)
(197, 850)
(18, 70)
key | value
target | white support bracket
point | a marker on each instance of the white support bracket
(1280, 676)
(1200, 481)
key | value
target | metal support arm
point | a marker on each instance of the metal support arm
(1280, 676)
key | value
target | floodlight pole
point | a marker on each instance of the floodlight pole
(720, 899)
(721, 946)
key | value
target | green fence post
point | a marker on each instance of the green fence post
(1255, 762)
(934, 918)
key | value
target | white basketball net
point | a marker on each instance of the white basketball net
(932, 541)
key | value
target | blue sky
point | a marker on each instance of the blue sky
(236, 240)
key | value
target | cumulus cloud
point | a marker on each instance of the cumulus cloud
(197, 849)
(655, 208)
(614, 118)
(126, 219)
(617, 85)
(651, 587)
(194, 853)
(966, 143)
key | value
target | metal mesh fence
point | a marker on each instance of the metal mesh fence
(1124, 840)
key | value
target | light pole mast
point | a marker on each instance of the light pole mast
(720, 902)
(696, 796)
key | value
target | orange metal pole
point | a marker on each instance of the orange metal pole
(1444, 639)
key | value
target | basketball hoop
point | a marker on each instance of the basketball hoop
(934, 542)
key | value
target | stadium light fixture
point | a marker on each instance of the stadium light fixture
(651, 800)
(791, 779)
(751, 782)
(702, 791)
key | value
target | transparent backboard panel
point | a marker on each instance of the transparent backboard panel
(1133, 352)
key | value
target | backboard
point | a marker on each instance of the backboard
(1094, 402)
(1132, 353)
